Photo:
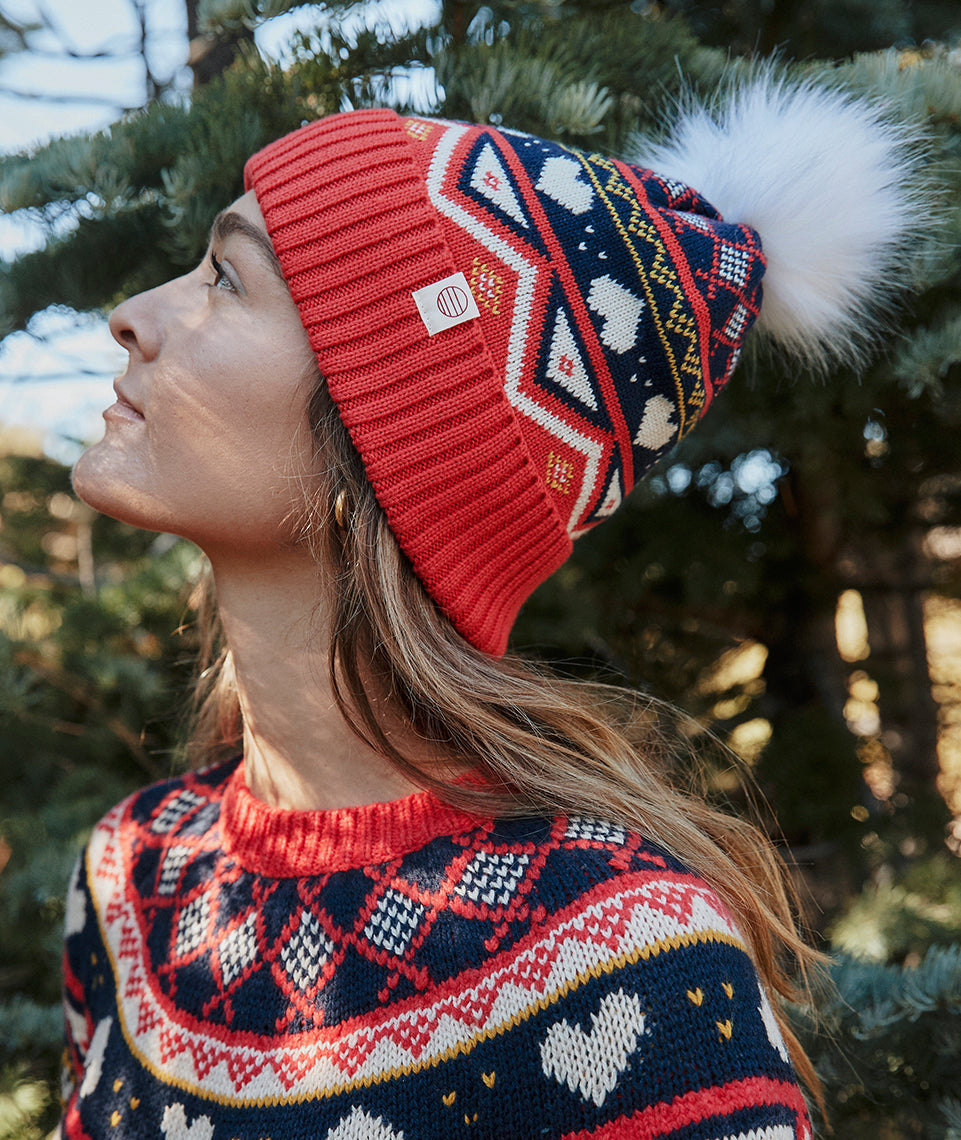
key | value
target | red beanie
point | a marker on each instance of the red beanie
(512, 331)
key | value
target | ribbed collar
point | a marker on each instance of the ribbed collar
(282, 843)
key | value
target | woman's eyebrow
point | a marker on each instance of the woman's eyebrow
(229, 222)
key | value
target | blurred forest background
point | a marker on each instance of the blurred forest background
(790, 578)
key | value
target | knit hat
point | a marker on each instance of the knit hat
(514, 331)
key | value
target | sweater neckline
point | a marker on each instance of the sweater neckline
(285, 843)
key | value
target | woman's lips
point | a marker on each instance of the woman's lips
(121, 410)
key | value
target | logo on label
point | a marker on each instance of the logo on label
(446, 303)
(452, 301)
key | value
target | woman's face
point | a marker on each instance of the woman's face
(209, 432)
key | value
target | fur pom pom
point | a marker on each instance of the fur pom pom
(831, 188)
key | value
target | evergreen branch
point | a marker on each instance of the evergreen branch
(29, 1026)
(874, 997)
(121, 251)
(87, 696)
(951, 1107)
(149, 187)
(923, 362)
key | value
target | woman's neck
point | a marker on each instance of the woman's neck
(298, 751)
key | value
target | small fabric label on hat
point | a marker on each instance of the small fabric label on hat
(446, 303)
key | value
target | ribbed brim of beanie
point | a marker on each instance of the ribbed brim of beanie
(597, 341)
(348, 212)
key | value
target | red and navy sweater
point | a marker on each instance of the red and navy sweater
(404, 971)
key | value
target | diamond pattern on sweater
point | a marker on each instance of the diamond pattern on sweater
(594, 830)
(173, 864)
(171, 814)
(393, 925)
(492, 878)
(238, 949)
(382, 997)
(307, 952)
(192, 926)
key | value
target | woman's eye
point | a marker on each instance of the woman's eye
(221, 280)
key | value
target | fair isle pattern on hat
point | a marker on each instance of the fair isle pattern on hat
(613, 303)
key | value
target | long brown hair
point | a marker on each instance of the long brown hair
(540, 744)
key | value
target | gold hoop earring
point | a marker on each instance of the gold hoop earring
(341, 510)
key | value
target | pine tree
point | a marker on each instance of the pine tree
(886, 1042)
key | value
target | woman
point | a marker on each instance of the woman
(434, 892)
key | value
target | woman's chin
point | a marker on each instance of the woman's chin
(101, 486)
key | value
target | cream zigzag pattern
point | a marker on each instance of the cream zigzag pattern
(645, 919)
(527, 277)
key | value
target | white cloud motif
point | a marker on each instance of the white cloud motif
(656, 430)
(620, 309)
(560, 180)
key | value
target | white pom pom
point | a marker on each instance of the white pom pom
(829, 186)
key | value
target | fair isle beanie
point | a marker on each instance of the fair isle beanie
(514, 331)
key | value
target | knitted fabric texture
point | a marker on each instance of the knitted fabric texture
(404, 970)
(581, 313)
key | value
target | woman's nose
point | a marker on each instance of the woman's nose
(135, 325)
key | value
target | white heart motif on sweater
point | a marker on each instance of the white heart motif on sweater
(174, 1125)
(592, 1063)
(361, 1125)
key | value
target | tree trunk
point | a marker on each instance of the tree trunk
(893, 595)
(209, 56)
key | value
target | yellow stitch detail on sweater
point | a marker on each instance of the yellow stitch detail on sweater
(638, 954)
(642, 954)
